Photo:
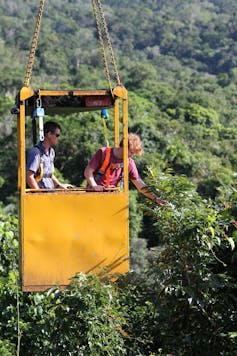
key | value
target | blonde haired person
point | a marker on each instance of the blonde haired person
(111, 175)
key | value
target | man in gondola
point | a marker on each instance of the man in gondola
(40, 160)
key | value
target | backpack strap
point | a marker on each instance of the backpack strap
(40, 171)
(104, 169)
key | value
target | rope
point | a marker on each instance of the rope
(105, 132)
(19, 332)
(33, 45)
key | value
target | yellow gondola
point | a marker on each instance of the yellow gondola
(63, 232)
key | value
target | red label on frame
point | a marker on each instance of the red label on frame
(95, 101)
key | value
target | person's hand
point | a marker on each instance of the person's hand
(161, 202)
(65, 186)
(98, 188)
(69, 186)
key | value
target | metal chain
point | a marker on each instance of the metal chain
(112, 58)
(102, 46)
(101, 42)
(33, 45)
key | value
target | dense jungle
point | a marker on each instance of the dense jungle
(178, 61)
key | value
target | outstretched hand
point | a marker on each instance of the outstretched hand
(161, 202)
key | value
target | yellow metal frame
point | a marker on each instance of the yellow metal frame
(66, 232)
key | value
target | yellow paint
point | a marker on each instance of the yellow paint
(68, 233)
(43, 92)
(26, 93)
(120, 91)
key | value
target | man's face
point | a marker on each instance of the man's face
(54, 137)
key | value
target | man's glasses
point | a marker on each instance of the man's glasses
(57, 135)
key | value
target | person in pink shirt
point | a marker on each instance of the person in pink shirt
(105, 169)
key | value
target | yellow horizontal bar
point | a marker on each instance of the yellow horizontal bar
(77, 189)
(55, 189)
(72, 92)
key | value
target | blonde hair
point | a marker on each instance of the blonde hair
(134, 144)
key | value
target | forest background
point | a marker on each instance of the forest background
(178, 61)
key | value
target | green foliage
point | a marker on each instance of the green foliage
(199, 115)
(6, 348)
(8, 164)
(8, 243)
(84, 319)
(8, 282)
(178, 62)
(190, 280)
(135, 215)
(174, 291)
(139, 255)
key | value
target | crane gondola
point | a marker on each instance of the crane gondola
(83, 231)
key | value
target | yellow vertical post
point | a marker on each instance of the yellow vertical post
(121, 92)
(21, 148)
(19, 152)
(125, 141)
(116, 123)
(21, 177)
(21, 143)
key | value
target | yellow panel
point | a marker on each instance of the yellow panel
(65, 233)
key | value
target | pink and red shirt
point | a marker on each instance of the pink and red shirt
(116, 169)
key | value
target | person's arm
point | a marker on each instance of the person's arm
(30, 180)
(58, 184)
(89, 175)
(143, 189)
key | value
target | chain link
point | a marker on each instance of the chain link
(33, 46)
(101, 43)
(101, 25)
(112, 57)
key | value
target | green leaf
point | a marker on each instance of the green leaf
(231, 242)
